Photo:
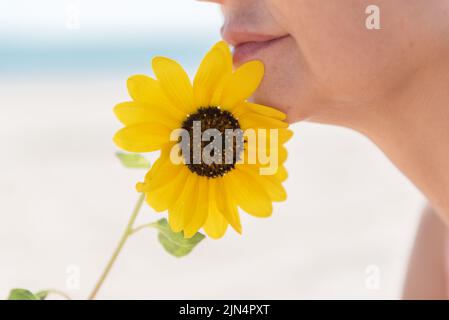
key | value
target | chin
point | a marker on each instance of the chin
(268, 96)
(283, 90)
(284, 86)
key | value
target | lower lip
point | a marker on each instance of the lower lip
(247, 51)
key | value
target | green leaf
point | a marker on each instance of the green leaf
(174, 242)
(23, 294)
(133, 160)
(42, 295)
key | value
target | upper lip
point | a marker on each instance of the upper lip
(237, 37)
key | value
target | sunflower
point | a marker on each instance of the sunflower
(203, 195)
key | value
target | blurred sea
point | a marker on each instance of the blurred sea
(77, 55)
(102, 37)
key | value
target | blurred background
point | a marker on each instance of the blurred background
(345, 231)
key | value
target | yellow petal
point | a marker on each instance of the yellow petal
(217, 96)
(145, 137)
(254, 120)
(283, 154)
(148, 92)
(211, 71)
(154, 171)
(262, 152)
(175, 83)
(272, 186)
(130, 113)
(259, 109)
(197, 218)
(162, 197)
(285, 135)
(281, 174)
(249, 195)
(226, 204)
(185, 205)
(241, 84)
(223, 46)
(215, 225)
(162, 172)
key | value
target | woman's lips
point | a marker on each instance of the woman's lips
(246, 51)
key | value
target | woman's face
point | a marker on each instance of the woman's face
(322, 60)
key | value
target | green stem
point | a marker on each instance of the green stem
(56, 292)
(143, 226)
(128, 231)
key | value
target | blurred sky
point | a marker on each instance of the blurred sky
(55, 35)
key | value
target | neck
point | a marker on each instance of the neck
(412, 129)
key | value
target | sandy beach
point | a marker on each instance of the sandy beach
(64, 199)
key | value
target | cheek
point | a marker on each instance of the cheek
(335, 43)
(341, 55)
(332, 60)
(287, 84)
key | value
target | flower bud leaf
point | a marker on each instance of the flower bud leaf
(133, 160)
(23, 294)
(174, 242)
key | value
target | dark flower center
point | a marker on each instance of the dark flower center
(229, 146)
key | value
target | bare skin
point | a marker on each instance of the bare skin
(426, 274)
(323, 65)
